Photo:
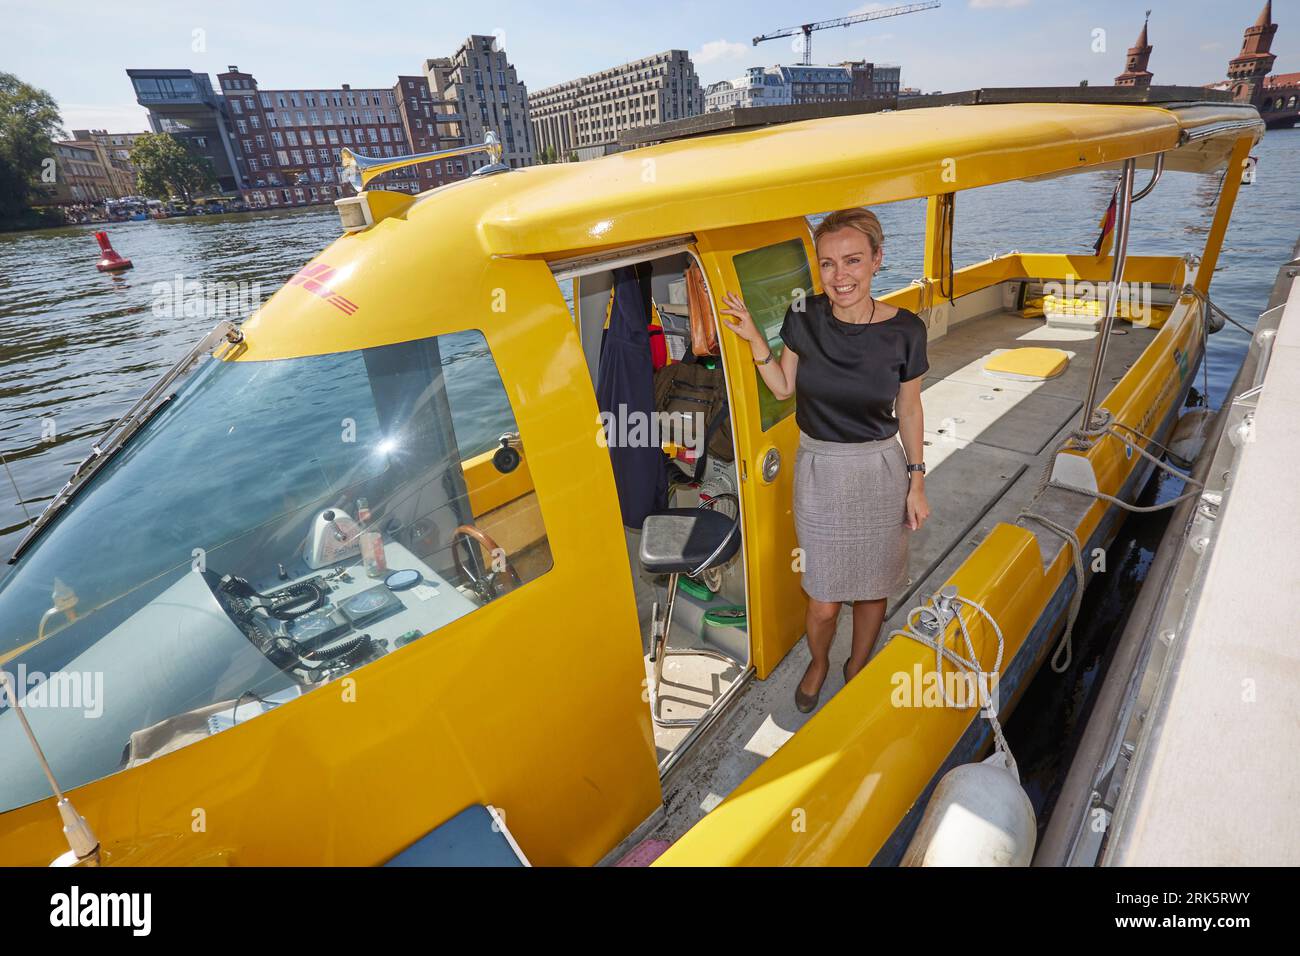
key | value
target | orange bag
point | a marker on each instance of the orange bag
(704, 330)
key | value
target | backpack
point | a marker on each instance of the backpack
(692, 388)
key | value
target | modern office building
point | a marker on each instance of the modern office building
(184, 104)
(760, 86)
(798, 84)
(481, 91)
(585, 116)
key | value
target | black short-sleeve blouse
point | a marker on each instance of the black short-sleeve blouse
(848, 375)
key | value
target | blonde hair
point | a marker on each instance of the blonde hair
(863, 220)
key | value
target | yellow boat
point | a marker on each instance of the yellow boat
(362, 579)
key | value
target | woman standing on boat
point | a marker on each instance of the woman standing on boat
(854, 366)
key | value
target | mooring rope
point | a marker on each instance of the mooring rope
(1101, 424)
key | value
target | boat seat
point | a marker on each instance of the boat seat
(1028, 364)
(687, 540)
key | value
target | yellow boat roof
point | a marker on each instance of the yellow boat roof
(818, 165)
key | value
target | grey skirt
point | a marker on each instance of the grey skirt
(850, 505)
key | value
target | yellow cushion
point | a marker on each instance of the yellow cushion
(1028, 364)
(1037, 306)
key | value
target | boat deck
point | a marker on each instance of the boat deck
(988, 439)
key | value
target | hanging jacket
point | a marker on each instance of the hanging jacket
(625, 386)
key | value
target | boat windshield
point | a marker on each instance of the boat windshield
(275, 525)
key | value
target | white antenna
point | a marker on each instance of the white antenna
(83, 844)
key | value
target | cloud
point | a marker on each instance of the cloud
(715, 50)
(997, 4)
(115, 119)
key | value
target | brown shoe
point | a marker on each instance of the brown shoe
(806, 703)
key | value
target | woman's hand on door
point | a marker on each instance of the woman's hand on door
(744, 325)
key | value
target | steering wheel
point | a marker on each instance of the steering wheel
(487, 585)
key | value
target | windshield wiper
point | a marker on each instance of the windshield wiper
(121, 430)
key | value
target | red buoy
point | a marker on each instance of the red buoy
(109, 260)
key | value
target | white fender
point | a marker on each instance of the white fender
(979, 815)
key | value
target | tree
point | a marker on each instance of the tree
(165, 168)
(29, 122)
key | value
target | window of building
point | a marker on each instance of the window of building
(297, 156)
(255, 121)
(235, 106)
(333, 135)
(282, 156)
(292, 137)
(315, 118)
(347, 135)
(293, 100)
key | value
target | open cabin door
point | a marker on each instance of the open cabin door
(771, 266)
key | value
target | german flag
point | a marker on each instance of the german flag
(1102, 246)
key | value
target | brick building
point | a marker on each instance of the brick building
(1135, 73)
(282, 147)
(1276, 97)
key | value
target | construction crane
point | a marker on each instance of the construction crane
(808, 28)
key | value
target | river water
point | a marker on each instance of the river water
(77, 347)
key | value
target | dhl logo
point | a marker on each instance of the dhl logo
(316, 279)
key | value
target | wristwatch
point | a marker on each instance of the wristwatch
(919, 466)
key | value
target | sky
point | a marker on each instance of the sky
(79, 51)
